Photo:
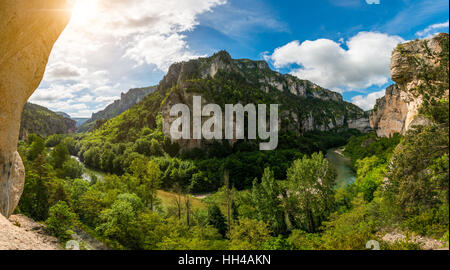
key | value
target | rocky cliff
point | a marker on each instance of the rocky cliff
(28, 30)
(42, 121)
(219, 79)
(126, 101)
(411, 63)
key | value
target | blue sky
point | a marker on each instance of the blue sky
(343, 45)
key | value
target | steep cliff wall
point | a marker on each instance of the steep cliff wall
(304, 106)
(126, 101)
(28, 30)
(395, 112)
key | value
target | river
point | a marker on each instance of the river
(87, 173)
(345, 174)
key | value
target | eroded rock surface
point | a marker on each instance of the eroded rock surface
(395, 112)
(23, 233)
(28, 30)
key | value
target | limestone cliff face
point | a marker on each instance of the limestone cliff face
(126, 101)
(395, 112)
(219, 79)
(28, 30)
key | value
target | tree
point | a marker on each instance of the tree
(350, 230)
(59, 155)
(418, 176)
(35, 198)
(178, 198)
(78, 189)
(90, 205)
(217, 219)
(310, 191)
(145, 181)
(72, 169)
(150, 184)
(228, 198)
(61, 220)
(37, 147)
(119, 223)
(371, 172)
(266, 199)
(248, 234)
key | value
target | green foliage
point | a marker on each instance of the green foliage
(54, 140)
(310, 192)
(42, 121)
(72, 169)
(360, 147)
(37, 147)
(61, 220)
(301, 240)
(274, 200)
(35, 199)
(371, 172)
(277, 243)
(350, 230)
(418, 176)
(217, 219)
(119, 224)
(59, 155)
(248, 234)
(267, 202)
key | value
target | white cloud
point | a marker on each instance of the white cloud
(367, 102)
(63, 70)
(365, 62)
(106, 42)
(433, 29)
(86, 98)
(165, 51)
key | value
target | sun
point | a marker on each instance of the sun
(84, 11)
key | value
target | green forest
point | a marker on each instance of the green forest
(132, 188)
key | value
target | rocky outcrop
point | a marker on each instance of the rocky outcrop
(389, 115)
(44, 122)
(362, 123)
(23, 233)
(126, 101)
(28, 30)
(395, 112)
(219, 79)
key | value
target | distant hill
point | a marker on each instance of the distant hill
(126, 101)
(44, 122)
(80, 121)
(63, 114)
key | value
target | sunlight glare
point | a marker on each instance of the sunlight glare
(84, 11)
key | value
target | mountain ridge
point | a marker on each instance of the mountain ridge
(127, 100)
(44, 122)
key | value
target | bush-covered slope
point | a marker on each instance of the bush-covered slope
(42, 121)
